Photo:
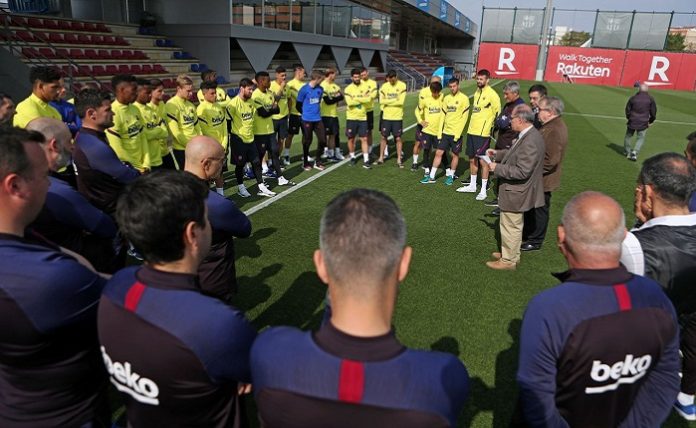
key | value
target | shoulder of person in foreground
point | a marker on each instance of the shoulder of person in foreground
(225, 215)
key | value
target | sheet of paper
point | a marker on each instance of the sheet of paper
(485, 158)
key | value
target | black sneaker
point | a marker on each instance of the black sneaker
(353, 162)
(496, 212)
(367, 165)
(492, 203)
(414, 167)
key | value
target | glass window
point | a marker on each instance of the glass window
(277, 14)
(303, 16)
(324, 14)
(247, 12)
(341, 18)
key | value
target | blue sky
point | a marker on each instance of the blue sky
(582, 20)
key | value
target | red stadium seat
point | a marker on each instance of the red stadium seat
(64, 25)
(104, 54)
(139, 55)
(71, 38)
(84, 70)
(17, 21)
(102, 28)
(30, 52)
(121, 41)
(97, 40)
(91, 54)
(99, 70)
(147, 69)
(136, 69)
(89, 26)
(111, 69)
(159, 69)
(25, 36)
(169, 83)
(76, 54)
(116, 54)
(55, 38)
(124, 69)
(77, 26)
(62, 53)
(51, 24)
(47, 53)
(109, 40)
(106, 86)
(35, 23)
(84, 39)
(127, 55)
(68, 70)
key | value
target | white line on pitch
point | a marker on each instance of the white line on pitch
(599, 116)
(279, 196)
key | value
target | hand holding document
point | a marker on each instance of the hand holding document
(485, 158)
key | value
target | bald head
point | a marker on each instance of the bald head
(644, 87)
(593, 227)
(204, 157)
(51, 129)
(58, 146)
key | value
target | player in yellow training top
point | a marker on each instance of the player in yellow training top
(221, 96)
(423, 95)
(456, 107)
(357, 97)
(485, 108)
(279, 88)
(431, 116)
(295, 123)
(371, 88)
(127, 135)
(243, 112)
(182, 118)
(157, 105)
(212, 118)
(155, 129)
(329, 114)
(392, 96)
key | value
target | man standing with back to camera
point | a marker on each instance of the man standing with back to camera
(641, 112)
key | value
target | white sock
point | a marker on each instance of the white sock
(415, 158)
(220, 191)
(366, 157)
(286, 152)
(449, 172)
(484, 183)
(352, 155)
(264, 167)
(433, 172)
(473, 180)
(685, 399)
(386, 151)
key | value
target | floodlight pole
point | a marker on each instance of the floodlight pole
(541, 65)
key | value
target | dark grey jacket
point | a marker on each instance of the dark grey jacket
(640, 111)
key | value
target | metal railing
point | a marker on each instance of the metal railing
(413, 78)
(14, 44)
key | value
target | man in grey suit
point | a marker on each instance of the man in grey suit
(520, 170)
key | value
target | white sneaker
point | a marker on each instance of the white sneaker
(243, 192)
(282, 181)
(286, 160)
(264, 191)
(481, 196)
(310, 159)
(386, 153)
(467, 189)
(338, 155)
(426, 171)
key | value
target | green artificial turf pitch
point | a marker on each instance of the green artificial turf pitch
(450, 300)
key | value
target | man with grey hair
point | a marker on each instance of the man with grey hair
(641, 112)
(664, 249)
(600, 349)
(358, 372)
(519, 171)
(555, 133)
(67, 218)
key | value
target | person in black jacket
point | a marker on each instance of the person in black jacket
(641, 111)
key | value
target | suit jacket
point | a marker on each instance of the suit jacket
(520, 173)
(555, 133)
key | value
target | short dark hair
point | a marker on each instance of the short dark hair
(3, 97)
(297, 66)
(436, 87)
(541, 89)
(13, 156)
(155, 83)
(671, 176)
(122, 78)
(90, 99)
(207, 84)
(206, 73)
(316, 74)
(364, 228)
(363, 69)
(245, 83)
(453, 80)
(280, 69)
(144, 82)
(44, 74)
(261, 74)
(391, 73)
(691, 145)
(154, 210)
(354, 71)
(484, 72)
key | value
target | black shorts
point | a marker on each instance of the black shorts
(447, 143)
(370, 120)
(419, 134)
(356, 128)
(280, 127)
(393, 127)
(243, 152)
(330, 125)
(295, 124)
(430, 141)
(476, 145)
(264, 143)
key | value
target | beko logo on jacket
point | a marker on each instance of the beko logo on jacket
(125, 380)
(630, 370)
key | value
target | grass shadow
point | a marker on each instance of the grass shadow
(617, 148)
(249, 247)
(253, 290)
